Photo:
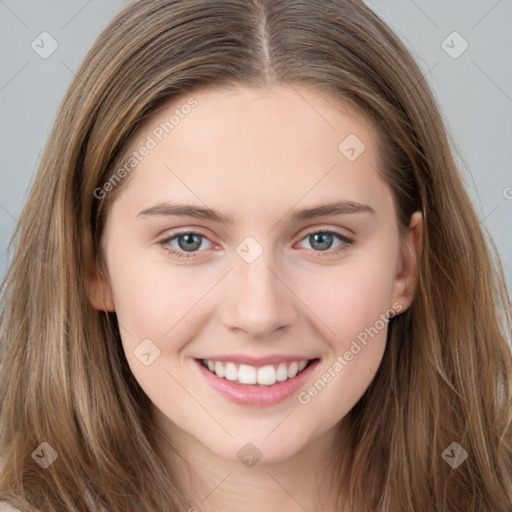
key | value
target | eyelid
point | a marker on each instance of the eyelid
(325, 229)
(171, 234)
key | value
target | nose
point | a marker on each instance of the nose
(259, 302)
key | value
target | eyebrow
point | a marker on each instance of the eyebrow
(197, 212)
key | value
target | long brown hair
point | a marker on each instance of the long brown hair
(446, 373)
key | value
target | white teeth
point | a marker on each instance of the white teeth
(231, 373)
(246, 374)
(264, 376)
(267, 375)
(293, 370)
(282, 373)
(219, 369)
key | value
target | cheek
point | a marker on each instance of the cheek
(149, 299)
(354, 355)
(355, 304)
(351, 297)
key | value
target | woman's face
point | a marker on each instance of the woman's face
(254, 237)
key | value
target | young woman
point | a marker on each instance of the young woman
(256, 281)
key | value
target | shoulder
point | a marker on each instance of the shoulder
(5, 507)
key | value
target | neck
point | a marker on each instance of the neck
(304, 481)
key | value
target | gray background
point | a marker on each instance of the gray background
(474, 90)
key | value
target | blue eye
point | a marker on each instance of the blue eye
(323, 240)
(189, 242)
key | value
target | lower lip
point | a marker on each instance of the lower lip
(255, 395)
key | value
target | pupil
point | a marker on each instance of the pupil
(320, 237)
(191, 242)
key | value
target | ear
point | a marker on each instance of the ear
(97, 287)
(404, 285)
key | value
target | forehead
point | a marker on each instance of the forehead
(239, 144)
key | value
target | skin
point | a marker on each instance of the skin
(257, 155)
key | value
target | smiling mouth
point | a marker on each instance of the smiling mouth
(266, 376)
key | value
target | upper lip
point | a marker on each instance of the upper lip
(258, 361)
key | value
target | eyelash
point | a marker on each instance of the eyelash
(347, 242)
